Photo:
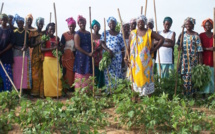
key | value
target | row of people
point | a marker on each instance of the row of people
(41, 64)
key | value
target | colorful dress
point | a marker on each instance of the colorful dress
(100, 79)
(189, 58)
(50, 72)
(208, 60)
(68, 57)
(83, 63)
(18, 58)
(6, 38)
(116, 45)
(141, 63)
(37, 67)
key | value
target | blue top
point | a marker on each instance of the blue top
(6, 38)
(83, 63)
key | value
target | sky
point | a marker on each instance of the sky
(179, 10)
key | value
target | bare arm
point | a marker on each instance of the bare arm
(6, 49)
(160, 40)
(170, 42)
(77, 45)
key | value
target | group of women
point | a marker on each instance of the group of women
(133, 59)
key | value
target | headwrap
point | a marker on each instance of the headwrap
(3, 16)
(111, 19)
(143, 18)
(192, 20)
(151, 20)
(30, 16)
(169, 19)
(95, 22)
(80, 17)
(204, 22)
(18, 18)
(125, 23)
(133, 20)
(38, 20)
(71, 21)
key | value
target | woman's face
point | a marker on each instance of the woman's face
(133, 25)
(96, 28)
(10, 19)
(29, 22)
(4, 21)
(51, 30)
(72, 27)
(126, 28)
(208, 26)
(167, 25)
(189, 25)
(82, 24)
(112, 25)
(20, 24)
(40, 24)
(140, 24)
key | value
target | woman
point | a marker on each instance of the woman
(6, 53)
(32, 30)
(68, 57)
(207, 55)
(133, 24)
(50, 65)
(19, 47)
(114, 42)
(37, 60)
(83, 57)
(191, 50)
(141, 51)
(100, 80)
(11, 22)
(166, 50)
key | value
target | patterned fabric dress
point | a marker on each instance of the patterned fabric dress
(6, 38)
(83, 63)
(17, 66)
(141, 63)
(68, 57)
(37, 67)
(189, 58)
(100, 79)
(115, 44)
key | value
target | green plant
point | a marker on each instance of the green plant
(201, 76)
(44, 38)
(118, 27)
(105, 61)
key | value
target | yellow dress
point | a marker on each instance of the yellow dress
(141, 63)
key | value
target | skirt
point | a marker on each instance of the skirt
(50, 77)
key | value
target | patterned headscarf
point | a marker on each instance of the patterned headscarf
(143, 18)
(39, 19)
(169, 19)
(95, 22)
(18, 18)
(133, 20)
(71, 21)
(204, 22)
(151, 20)
(30, 16)
(192, 20)
(80, 17)
(3, 16)
(111, 19)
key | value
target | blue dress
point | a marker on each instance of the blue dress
(83, 63)
(115, 44)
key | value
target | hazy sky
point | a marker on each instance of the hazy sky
(177, 9)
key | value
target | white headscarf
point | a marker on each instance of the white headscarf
(151, 20)
(142, 17)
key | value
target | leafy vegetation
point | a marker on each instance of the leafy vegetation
(105, 61)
